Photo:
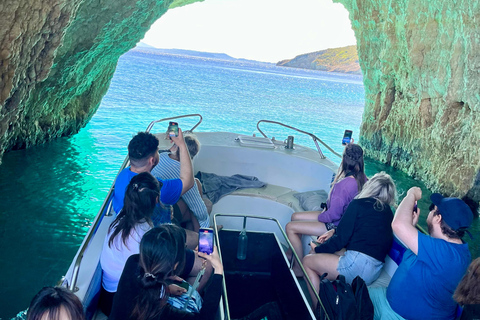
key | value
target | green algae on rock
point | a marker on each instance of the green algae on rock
(419, 59)
(420, 63)
(57, 58)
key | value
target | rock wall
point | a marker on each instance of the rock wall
(57, 58)
(421, 65)
(420, 60)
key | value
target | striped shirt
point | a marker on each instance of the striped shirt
(167, 168)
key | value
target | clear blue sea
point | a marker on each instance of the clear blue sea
(51, 193)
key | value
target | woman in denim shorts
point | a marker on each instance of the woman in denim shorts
(361, 242)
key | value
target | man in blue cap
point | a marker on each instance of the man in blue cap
(423, 285)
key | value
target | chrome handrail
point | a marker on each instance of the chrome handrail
(150, 126)
(107, 204)
(314, 137)
(307, 279)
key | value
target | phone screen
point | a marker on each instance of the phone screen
(173, 129)
(347, 137)
(205, 240)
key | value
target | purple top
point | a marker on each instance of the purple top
(342, 193)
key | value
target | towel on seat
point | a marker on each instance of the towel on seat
(215, 186)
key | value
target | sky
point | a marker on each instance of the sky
(262, 30)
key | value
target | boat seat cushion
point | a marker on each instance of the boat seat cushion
(312, 200)
(273, 192)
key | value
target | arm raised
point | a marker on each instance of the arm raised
(405, 219)
(186, 170)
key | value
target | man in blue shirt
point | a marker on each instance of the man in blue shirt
(423, 285)
(143, 155)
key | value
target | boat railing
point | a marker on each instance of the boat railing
(105, 210)
(150, 126)
(294, 257)
(314, 137)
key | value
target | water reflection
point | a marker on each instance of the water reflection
(45, 211)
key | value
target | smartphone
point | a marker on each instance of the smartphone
(205, 240)
(347, 137)
(172, 129)
(415, 208)
(183, 284)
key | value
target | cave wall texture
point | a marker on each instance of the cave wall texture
(421, 66)
(57, 58)
(420, 60)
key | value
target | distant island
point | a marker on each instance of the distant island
(344, 60)
(143, 47)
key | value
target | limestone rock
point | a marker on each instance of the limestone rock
(420, 60)
(421, 67)
(57, 58)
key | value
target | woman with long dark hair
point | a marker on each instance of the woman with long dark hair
(126, 231)
(143, 291)
(55, 303)
(348, 181)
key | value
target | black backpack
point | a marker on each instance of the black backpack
(362, 298)
(341, 302)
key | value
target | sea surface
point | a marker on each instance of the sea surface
(51, 193)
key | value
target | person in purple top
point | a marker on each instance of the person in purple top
(348, 182)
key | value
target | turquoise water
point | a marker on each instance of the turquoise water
(51, 193)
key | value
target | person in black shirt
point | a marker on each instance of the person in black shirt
(143, 292)
(365, 232)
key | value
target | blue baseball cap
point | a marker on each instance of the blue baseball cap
(456, 213)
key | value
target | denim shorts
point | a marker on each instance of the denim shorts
(330, 226)
(355, 263)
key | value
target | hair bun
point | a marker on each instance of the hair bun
(353, 152)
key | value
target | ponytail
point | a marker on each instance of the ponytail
(141, 197)
(162, 254)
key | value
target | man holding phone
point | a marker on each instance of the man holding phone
(143, 155)
(423, 285)
(191, 208)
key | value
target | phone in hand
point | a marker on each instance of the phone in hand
(182, 284)
(415, 208)
(347, 137)
(172, 129)
(205, 240)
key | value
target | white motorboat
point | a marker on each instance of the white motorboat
(286, 171)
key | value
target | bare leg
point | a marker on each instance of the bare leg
(192, 239)
(295, 230)
(199, 186)
(191, 222)
(194, 223)
(305, 216)
(317, 264)
(197, 266)
(207, 202)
